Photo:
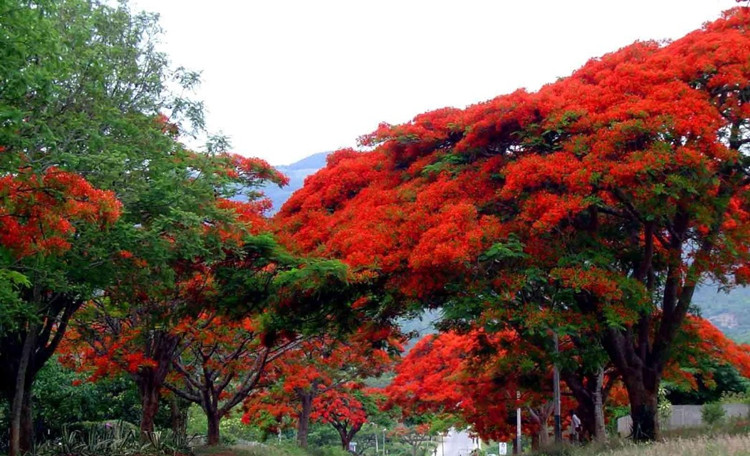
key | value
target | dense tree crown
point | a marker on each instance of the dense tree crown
(474, 376)
(621, 134)
(102, 207)
(322, 379)
(443, 374)
(596, 204)
(568, 227)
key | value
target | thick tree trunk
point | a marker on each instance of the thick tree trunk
(585, 408)
(213, 436)
(345, 440)
(149, 393)
(600, 431)
(346, 436)
(178, 410)
(641, 373)
(543, 435)
(20, 444)
(27, 422)
(303, 425)
(22, 354)
(541, 415)
(644, 412)
(590, 398)
(160, 348)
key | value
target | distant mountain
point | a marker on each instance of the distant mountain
(297, 172)
(730, 312)
(418, 327)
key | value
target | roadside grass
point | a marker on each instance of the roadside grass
(728, 439)
(246, 450)
(720, 445)
(266, 450)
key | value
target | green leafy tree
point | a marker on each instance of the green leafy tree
(82, 91)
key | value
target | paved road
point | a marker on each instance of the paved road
(457, 443)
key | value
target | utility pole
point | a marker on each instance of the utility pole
(556, 386)
(518, 424)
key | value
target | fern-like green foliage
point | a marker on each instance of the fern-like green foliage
(111, 438)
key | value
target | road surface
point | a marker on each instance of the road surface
(456, 443)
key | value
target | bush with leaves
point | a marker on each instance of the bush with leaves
(111, 438)
(713, 413)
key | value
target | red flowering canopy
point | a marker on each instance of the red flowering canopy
(621, 187)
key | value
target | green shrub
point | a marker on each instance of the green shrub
(110, 438)
(328, 451)
(664, 407)
(734, 397)
(712, 413)
(231, 428)
(253, 450)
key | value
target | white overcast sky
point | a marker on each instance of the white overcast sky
(285, 79)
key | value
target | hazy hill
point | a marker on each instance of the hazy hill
(297, 172)
(728, 312)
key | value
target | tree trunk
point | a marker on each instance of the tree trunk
(644, 412)
(161, 347)
(641, 373)
(178, 410)
(22, 354)
(347, 436)
(583, 387)
(27, 421)
(590, 398)
(21, 444)
(149, 393)
(345, 441)
(213, 436)
(303, 426)
(543, 435)
(26, 431)
(600, 431)
(541, 415)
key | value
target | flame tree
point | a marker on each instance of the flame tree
(474, 377)
(40, 214)
(319, 377)
(624, 185)
(208, 262)
(167, 274)
(220, 362)
(83, 96)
